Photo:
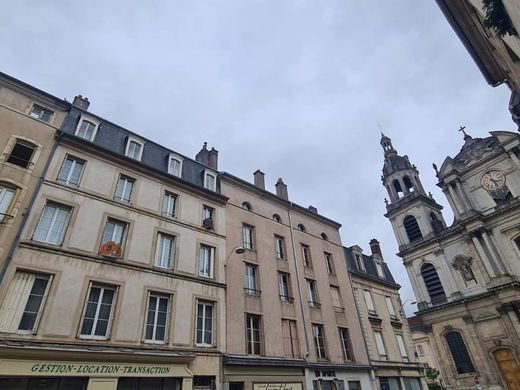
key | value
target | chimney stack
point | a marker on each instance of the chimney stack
(281, 189)
(259, 179)
(81, 102)
(208, 157)
(375, 248)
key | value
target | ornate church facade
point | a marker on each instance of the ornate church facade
(466, 276)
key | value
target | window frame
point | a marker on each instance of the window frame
(369, 301)
(248, 237)
(85, 118)
(251, 343)
(290, 339)
(402, 347)
(43, 110)
(135, 141)
(41, 306)
(174, 157)
(279, 247)
(340, 307)
(329, 263)
(251, 286)
(75, 160)
(153, 339)
(205, 303)
(284, 287)
(380, 345)
(202, 266)
(306, 255)
(346, 344)
(24, 143)
(466, 365)
(165, 209)
(318, 334)
(213, 180)
(125, 179)
(159, 250)
(110, 320)
(312, 294)
(116, 222)
(390, 306)
(61, 237)
(7, 188)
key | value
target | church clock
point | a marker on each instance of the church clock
(493, 180)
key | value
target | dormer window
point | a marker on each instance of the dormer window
(175, 165)
(359, 262)
(380, 271)
(209, 181)
(87, 129)
(134, 148)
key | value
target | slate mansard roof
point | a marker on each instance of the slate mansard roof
(370, 267)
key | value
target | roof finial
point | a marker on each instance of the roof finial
(379, 126)
(465, 134)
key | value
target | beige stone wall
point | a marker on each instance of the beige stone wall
(16, 102)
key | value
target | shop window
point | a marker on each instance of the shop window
(204, 382)
(148, 383)
(354, 385)
(43, 383)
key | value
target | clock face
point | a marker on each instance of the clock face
(493, 180)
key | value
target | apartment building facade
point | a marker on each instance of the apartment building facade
(29, 119)
(117, 281)
(291, 319)
(383, 321)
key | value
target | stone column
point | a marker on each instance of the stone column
(447, 194)
(416, 285)
(515, 159)
(495, 258)
(462, 193)
(456, 201)
(483, 256)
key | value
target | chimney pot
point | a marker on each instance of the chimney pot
(375, 248)
(259, 178)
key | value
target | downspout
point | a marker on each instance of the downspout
(29, 208)
(298, 283)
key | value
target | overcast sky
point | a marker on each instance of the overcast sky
(294, 88)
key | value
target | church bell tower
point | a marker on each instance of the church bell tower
(414, 214)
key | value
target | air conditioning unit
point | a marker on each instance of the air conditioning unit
(111, 249)
(207, 223)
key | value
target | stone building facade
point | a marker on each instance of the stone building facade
(465, 276)
(385, 329)
(117, 281)
(291, 319)
(29, 119)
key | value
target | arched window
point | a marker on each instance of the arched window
(277, 218)
(301, 227)
(247, 206)
(397, 187)
(408, 183)
(517, 242)
(324, 236)
(459, 353)
(412, 229)
(433, 283)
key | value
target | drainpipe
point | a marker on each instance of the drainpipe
(298, 283)
(29, 208)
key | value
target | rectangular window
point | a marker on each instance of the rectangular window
(71, 170)
(124, 189)
(209, 181)
(368, 301)
(253, 334)
(329, 263)
(380, 345)
(206, 261)
(284, 282)
(379, 269)
(98, 314)
(6, 197)
(359, 262)
(402, 348)
(169, 204)
(175, 166)
(319, 341)
(205, 324)
(157, 318)
(21, 154)
(52, 224)
(420, 350)
(114, 231)
(86, 130)
(251, 279)
(134, 150)
(279, 247)
(336, 299)
(41, 113)
(23, 305)
(208, 217)
(312, 293)
(390, 306)
(247, 236)
(354, 385)
(346, 344)
(306, 254)
(164, 251)
(291, 345)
